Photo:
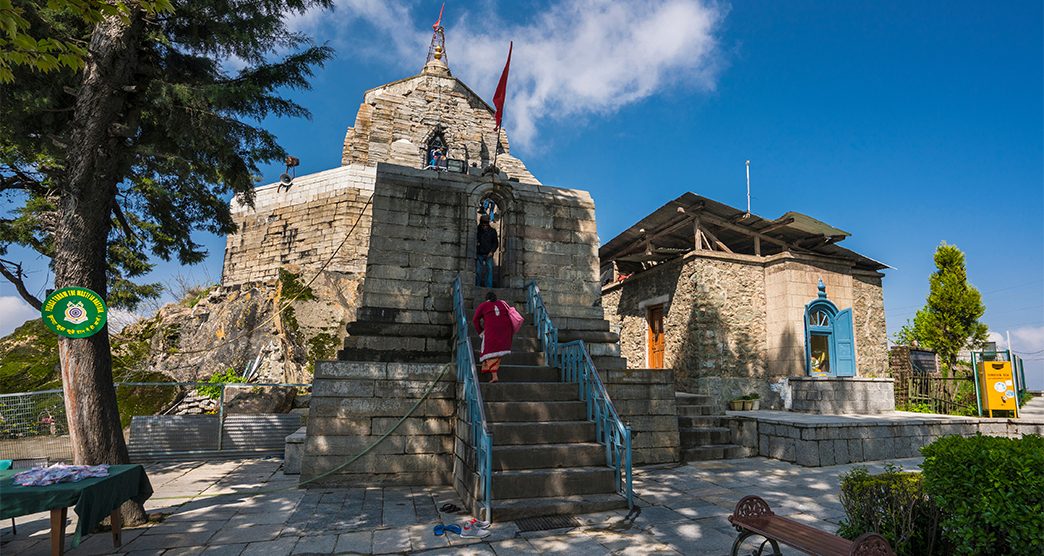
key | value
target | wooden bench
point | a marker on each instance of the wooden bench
(753, 517)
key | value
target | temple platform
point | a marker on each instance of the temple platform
(815, 440)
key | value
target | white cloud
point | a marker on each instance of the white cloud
(13, 313)
(575, 58)
(1028, 339)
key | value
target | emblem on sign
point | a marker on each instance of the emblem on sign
(74, 312)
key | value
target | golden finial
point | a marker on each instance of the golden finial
(438, 52)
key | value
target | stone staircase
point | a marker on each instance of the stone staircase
(704, 430)
(545, 457)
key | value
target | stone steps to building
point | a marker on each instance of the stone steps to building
(529, 392)
(536, 411)
(557, 432)
(542, 483)
(511, 372)
(704, 436)
(685, 398)
(547, 456)
(689, 421)
(712, 452)
(519, 508)
(696, 410)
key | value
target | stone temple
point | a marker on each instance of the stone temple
(730, 301)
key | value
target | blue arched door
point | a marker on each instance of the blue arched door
(829, 340)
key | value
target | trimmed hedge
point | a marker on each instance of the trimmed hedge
(991, 491)
(894, 505)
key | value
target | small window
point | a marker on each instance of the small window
(819, 317)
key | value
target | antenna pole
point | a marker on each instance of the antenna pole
(748, 187)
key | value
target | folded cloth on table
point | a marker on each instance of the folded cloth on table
(59, 473)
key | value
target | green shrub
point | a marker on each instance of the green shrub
(212, 390)
(894, 505)
(916, 407)
(991, 490)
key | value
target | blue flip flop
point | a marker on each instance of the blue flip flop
(443, 529)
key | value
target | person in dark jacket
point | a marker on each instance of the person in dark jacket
(486, 245)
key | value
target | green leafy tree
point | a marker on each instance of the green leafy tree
(47, 46)
(107, 168)
(949, 321)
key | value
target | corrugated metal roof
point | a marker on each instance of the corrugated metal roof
(668, 232)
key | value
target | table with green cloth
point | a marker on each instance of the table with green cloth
(93, 498)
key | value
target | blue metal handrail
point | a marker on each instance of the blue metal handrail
(575, 365)
(481, 439)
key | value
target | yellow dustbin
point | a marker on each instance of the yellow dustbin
(997, 384)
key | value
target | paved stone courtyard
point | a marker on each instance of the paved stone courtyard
(684, 510)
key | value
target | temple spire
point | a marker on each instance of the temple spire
(436, 62)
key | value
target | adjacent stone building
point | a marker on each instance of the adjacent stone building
(721, 297)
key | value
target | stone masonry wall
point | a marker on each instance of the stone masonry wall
(714, 320)
(354, 403)
(302, 227)
(423, 235)
(645, 401)
(839, 396)
(868, 317)
(396, 121)
(854, 440)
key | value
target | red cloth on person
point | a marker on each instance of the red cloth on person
(492, 321)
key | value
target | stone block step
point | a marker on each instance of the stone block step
(541, 483)
(536, 411)
(716, 451)
(512, 372)
(575, 323)
(701, 421)
(529, 392)
(589, 336)
(519, 508)
(685, 398)
(555, 432)
(518, 343)
(606, 362)
(547, 456)
(704, 436)
(518, 358)
(697, 410)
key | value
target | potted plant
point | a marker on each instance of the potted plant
(736, 404)
(755, 401)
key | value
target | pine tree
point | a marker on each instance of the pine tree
(949, 321)
(123, 160)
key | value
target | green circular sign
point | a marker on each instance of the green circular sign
(74, 312)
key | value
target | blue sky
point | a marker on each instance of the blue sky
(906, 124)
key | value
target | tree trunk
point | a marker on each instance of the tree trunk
(93, 167)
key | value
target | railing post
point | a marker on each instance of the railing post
(221, 418)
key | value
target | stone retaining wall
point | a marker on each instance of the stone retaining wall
(840, 441)
(645, 400)
(354, 403)
(302, 225)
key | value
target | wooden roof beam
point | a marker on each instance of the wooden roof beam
(776, 225)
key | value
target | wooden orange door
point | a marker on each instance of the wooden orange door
(655, 319)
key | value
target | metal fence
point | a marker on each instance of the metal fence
(226, 419)
(925, 393)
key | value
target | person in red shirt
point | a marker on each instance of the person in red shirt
(492, 322)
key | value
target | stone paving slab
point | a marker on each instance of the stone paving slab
(684, 511)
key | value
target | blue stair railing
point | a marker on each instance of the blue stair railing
(575, 365)
(481, 439)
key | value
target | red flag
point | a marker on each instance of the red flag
(439, 22)
(498, 97)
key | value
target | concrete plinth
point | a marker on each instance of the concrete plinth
(842, 395)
